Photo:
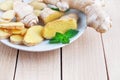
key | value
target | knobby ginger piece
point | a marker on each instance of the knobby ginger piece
(12, 25)
(63, 6)
(48, 15)
(61, 25)
(38, 5)
(16, 39)
(33, 36)
(30, 20)
(37, 12)
(4, 34)
(25, 13)
(97, 18)
(8, 15)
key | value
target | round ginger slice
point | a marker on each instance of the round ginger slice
(16, 39)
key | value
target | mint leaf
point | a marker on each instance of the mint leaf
(63, 38)
(54, 41)
(57, 39)
(56, 9)
(71, 33)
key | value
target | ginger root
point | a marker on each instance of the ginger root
(25, 13)
(96, 16)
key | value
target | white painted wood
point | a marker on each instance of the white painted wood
(38, 66)
(84, 59)
(112, 41)
(7, 62)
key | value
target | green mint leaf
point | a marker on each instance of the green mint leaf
(65, 40)
(56, 9)
(71, 33)
(53, 41)
(57, 39)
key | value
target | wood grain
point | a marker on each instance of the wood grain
(84, 59)
(7, 62)
(38, 66)
(111, 41)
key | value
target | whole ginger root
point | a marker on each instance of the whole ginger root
(96, 16)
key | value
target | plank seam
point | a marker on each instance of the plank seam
(104, 53)
(61, 68)
(16, 64)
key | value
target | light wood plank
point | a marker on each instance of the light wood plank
(84, 59)
(38, 66)
(112, 41)
(7, 62)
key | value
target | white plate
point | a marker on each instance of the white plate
(45, 46)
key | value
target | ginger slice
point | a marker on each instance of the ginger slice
(48, 15)
(6, 5)
(12, 25)
(19, 32)
(16, 39)
(33, 36)
(8, 15)
(37, 5)
(4, 34)
(61, 25)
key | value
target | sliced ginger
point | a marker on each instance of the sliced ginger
(16, 39)
(38, 5)
(8, 15)
(61, 25)
(33, 36)
(4, 34)
(19, 32)
(48, 15)
(12, 25)
(6, 5)
(4, 21)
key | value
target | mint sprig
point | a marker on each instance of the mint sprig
(71, 33)
(63, 38)
(57, 9)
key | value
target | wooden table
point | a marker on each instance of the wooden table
(92, 57)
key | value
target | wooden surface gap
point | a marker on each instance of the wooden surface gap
(106, 65)
(16, 64)
(61, 64)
